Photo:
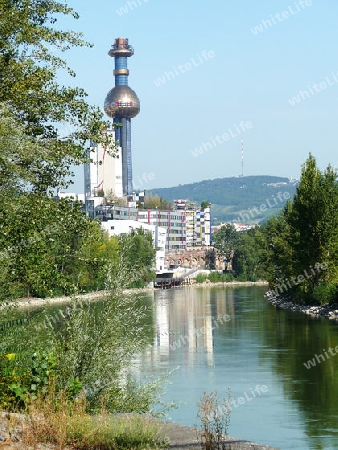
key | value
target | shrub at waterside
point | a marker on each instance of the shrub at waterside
(88, 353)
(68, 377)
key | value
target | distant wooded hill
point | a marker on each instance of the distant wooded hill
(249, 200)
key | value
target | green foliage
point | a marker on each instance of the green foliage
(138, 257)
(305, 235)
(12, 384)
(155, 202)
(215, 277)
(325, 293)
(42, 370)
(249, 255)
(49, 247)
(108, 433)
(56, 250)
(201, 278)
(20, 382)
(46, 247)
(225, 240)
(205, 204)
(94, 348)
(88, 353)
(28, 71)
(75, 388)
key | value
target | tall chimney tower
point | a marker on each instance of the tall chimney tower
(122, 104)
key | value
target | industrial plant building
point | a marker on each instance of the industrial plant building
(117, 227)
(108, 178)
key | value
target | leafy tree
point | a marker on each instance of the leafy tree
(49, 247)
(225, 241)
(248, 262)
(205, 204)
(305, 237)
(138, 256)
(278, 254)
(314, 216)
(155, 202)
(44, 244)
(28, 71)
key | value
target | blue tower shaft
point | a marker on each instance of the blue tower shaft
(121, 63)
(123, 136)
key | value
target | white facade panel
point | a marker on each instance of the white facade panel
(116, 227)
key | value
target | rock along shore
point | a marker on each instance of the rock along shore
(326, 311)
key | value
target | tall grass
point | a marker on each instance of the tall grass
(55, 419)
(213, 421)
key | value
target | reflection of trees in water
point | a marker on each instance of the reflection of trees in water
(297, 339)
(287, 341)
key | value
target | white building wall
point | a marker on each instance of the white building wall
(159, 234)
(207, 226)
(104, 172)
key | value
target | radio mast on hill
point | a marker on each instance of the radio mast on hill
(242, 175)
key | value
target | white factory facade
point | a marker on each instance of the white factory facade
(103, 174)
(159, 235)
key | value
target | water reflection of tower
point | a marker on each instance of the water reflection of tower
(122, 104)
(184, 327)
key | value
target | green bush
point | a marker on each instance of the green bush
(108, 433)
(325, 293)
(13, 384)
(215, 277)
(201, 278)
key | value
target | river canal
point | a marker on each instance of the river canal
(220, 338)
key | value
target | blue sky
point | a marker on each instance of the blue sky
(246, 75)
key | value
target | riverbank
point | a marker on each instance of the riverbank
(207, 284)
(90, 296)
(324, 311)
(99, 295)
(182, 437)
(178, 437)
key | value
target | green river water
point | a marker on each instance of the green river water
(220, 338)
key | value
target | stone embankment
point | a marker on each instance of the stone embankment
(327, 311)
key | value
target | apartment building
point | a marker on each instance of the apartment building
(173, 221)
